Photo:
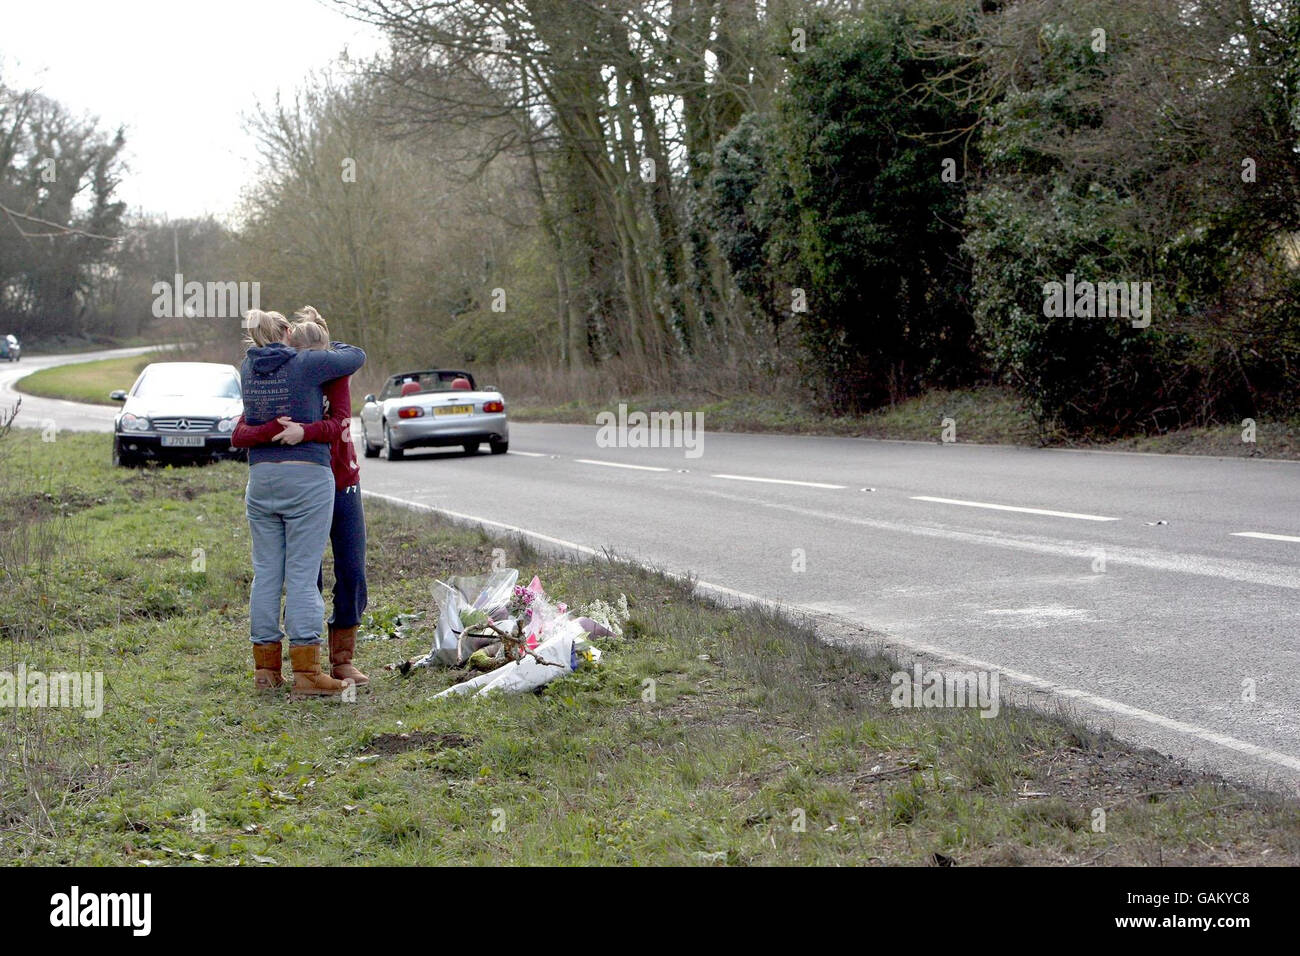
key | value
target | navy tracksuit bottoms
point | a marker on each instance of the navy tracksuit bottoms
(348, 544)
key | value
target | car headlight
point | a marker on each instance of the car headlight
(134, 423)
(226, 425)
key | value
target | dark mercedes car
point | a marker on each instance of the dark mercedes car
(178, 411)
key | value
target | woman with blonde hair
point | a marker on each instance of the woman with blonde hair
(289, 498)
(263, 328)
(348, 525)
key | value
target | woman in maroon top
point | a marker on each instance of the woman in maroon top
(348, 531)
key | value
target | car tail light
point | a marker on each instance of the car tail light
(410, 412)
(494, 406)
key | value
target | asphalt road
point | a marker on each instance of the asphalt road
(1156, 596)
(37, 412)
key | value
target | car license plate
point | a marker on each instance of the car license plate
(454, 410)
(182, 441)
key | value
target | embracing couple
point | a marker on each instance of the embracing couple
(303, 491)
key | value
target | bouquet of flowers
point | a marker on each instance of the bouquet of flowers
(514, 632)
(471, 611)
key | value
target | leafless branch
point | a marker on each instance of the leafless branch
(59, 229)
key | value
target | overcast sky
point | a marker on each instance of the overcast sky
(179, 74)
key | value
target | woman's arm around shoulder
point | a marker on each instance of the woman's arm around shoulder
(336, 362)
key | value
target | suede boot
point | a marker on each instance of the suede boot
(308, 681)
(343, 644)
(267, 661)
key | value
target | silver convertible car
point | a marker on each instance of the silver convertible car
(433, 408)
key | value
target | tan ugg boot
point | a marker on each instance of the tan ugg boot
(343, 644)
(308, 681)
(267, 661)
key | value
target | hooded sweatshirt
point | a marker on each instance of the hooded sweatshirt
(334, 429)
(279, 380)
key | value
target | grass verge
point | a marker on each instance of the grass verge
(983, 415)
(988, 416)
(86, 381)
(707, 736)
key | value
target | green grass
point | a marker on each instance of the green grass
(989, 415)
(986, 415)
(86, 381)
(752, 726)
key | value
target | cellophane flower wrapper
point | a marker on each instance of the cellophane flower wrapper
(556, 636)
(564, 643)
(490, 593)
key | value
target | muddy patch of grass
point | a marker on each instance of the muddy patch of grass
(421, 740)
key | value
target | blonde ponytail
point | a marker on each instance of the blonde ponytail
(308, 314)
(308, 335)
(264, 328)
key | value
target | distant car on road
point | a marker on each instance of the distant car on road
(433, 408)
(10, 349)
(178, 411)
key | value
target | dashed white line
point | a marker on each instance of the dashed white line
(618, 464)
(779, 481)
(527, 454)
(1265, 537)
(1028, 511)
(1095, 701)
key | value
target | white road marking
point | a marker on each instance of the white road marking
(474, 519)
(528, 454)
(618, 464)
(1266, 537)
(1104, 704)
(1028, 511)
(778, 481)
(1247, 572)
(1109, 706)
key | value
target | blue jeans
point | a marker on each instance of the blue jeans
(290, 507)
(348, 541)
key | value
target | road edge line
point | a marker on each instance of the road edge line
(1041, 684)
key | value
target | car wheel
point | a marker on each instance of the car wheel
(391, 451)
(499, 447)
(369, 450)
(120, 458)
(471, 447)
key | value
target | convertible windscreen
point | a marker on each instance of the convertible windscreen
(428, 381)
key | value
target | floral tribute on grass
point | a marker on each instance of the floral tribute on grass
(513, 635)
